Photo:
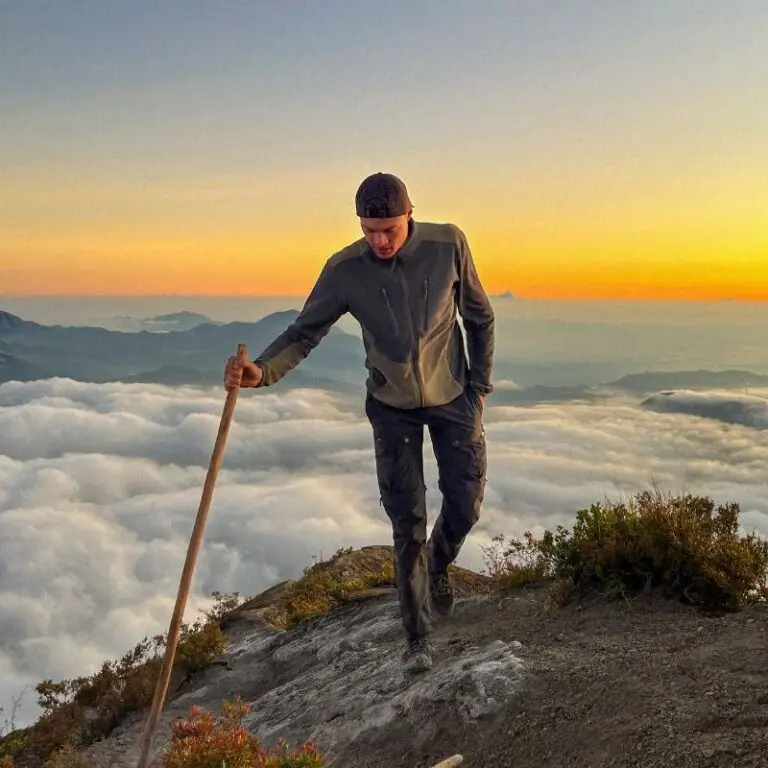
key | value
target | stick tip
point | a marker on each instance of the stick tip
(450, 762)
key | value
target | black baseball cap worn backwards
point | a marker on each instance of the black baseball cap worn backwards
(382, 196)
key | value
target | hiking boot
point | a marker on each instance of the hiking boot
(441, 592)
(418, 656)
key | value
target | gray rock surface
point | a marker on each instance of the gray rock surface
(336, 679)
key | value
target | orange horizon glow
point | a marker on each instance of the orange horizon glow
(545, 237)
(529, 267)
(69, 285)
(562, 282)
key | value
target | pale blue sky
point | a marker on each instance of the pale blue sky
(560, 132)
(214, 85)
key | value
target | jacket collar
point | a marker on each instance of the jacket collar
(409, 246)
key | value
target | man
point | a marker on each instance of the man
(404, 282)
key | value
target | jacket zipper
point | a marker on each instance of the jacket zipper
(426, 305)
(414, 345)
(391, 311)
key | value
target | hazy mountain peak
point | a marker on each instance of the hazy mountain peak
(183, 315)
(10, 322)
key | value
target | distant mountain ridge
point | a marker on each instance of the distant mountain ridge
(196, 355)
(10, 322)
(173, 321)
(650, 381)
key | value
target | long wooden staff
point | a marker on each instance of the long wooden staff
(189, 566)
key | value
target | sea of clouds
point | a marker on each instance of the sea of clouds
(100, 484)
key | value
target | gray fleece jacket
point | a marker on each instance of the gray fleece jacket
(407, 309)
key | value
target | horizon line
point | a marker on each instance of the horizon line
(505, 295)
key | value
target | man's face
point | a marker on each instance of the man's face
(386, 236)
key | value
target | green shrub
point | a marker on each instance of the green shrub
(199, 644)
(12, 743)
(85, 709)
(222, 605)
(684, 546)
(11, 738)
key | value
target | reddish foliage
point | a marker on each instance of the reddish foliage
(205, 741)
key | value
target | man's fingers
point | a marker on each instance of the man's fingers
(233, 372)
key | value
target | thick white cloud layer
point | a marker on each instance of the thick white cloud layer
(100, 484)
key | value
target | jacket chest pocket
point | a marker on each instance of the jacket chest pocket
(390, 310)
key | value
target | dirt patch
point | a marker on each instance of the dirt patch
(646, 682)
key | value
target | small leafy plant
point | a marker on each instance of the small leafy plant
(516, 562)
(205, 741)
(11, 738)
(68, 757)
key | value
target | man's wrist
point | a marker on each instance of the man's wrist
(262, 368)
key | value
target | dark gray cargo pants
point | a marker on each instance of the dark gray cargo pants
(458, 441)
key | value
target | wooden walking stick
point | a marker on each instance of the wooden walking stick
(189, 566)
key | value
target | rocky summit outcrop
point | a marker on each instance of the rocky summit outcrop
(517, 682)
(338, 678)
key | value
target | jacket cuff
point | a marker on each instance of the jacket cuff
(263, 366)
(483, 389)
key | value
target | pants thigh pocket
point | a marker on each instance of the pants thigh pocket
(384, 453)
(470, 459)
(397, 469)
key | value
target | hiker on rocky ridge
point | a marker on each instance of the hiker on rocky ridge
(404, 282)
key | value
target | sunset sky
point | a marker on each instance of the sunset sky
(595, 149)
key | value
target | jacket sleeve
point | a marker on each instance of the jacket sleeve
(477, 313)
(323, 307)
